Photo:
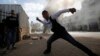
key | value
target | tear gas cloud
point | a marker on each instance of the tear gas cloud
(88, 11)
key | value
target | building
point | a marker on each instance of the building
(5, 10)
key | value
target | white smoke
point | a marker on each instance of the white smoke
(88, 10)
(55, 5)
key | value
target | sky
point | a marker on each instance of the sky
(33, 8)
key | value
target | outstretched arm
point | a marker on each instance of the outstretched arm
(39, 20)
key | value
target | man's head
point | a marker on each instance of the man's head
(72, 10)
(45, 14)
(12, 13)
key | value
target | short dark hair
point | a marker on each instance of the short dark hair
(12, 12)
(44, 12)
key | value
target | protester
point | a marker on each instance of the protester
(60, 32)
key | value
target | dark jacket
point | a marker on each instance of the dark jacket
(56, 27)
(11, 22)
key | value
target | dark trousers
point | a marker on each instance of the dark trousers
(64, 35)
(2, 41)
(11, 37)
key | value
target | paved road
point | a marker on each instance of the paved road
(59, 47)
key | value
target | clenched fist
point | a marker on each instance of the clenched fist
(72, 10)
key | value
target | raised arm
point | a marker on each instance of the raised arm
(57, 14)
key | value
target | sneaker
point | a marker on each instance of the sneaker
(46, 52)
